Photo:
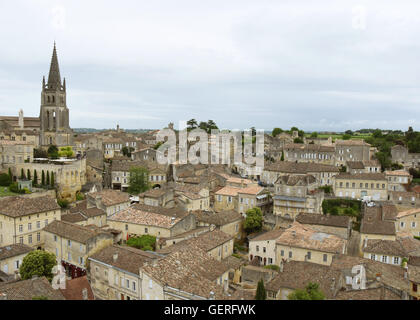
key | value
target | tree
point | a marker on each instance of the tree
(203, 125)
(276, 131)
(253, 220)
(125, 151)
(346, 136)
(314, 134)
(28, 174)
(349, 132)
(22, 174)
(282, 156)
(311, 292)
(52, 179)
(261, 294)
(37, 263)
(298, 140)
(10, 175)
(144, 242)
(191, 124)
(40, 153)
(47, 181)
(211, 125)
(35, 181)
(43, 178)
(139, 180)
(5, 180)
(53, 152)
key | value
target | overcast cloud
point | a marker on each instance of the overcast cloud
(318, 65)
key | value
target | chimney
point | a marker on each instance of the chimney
(405, 274)
(365, 243)
(281, 266)
(21, 123)
(211, 295)
(115, 257)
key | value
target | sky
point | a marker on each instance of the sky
(318, 65)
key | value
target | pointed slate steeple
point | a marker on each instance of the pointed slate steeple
(54, 79)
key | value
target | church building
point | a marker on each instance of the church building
(52, 125)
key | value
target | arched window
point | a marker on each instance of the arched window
(48, 99)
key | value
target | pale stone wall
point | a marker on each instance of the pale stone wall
(26, 229)
(409, 223)
(299, 254)
(12, 264)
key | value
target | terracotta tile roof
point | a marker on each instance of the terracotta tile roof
(297, 275)
(74, 289)
(299, 167)
(401, 173)
(234, 263)
(73, 231)
(379, 220)
(380, 293)
(217, 218)
(228, 191)
(355, 142)
(22, 206)
(73, 217)
(304, 237)
(355, 164)
(205, 241)
(14, 250)
(28, 289)
(401, 247)
(154, 193)
(127, 258)
(171, 212)
(253, 190)
(194, 272)
(82, 208)
(391, 275)
(408, 212)
(110, 197)
(268, 235)
(325, 220)
(137, 216)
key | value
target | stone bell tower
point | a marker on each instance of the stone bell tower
(54, 114)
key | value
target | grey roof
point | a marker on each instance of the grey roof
(14, 250)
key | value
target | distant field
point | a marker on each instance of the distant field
(340, 136)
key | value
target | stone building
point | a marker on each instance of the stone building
(398, 180)
(351, 150)
(401, 155)
(72, 244)
(316, 153)
(14, 152)
(295, 194)
(52, 126)
(69, 174)
(22, 219)
(54, 114)
(11, 257)
(322, 172)
(357, 186)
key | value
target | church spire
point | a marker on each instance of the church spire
(54, 79)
